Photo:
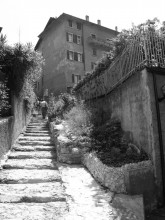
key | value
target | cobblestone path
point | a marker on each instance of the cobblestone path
(30, 183)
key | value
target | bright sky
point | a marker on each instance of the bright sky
(27, 18)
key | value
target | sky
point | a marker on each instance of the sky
(24, 20)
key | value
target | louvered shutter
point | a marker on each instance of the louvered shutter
(72, 78)
(75, 56)
(79, 77)
(75, 38)
(67, 54)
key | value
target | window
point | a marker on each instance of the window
(93, 36)
(76, 78)
(78, 39)
(69, 89)
(70, 23)
(93, 65)
(69, 37)
(74, 56)
(79, 57)
(109, 40)
(70, 55)
(94, 52)
(78, 26)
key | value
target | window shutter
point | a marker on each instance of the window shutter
(72, 78)
(67, 54)
(75, 38)
(75, 56)
(79, 77)
(67, 37)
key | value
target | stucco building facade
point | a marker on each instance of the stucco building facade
(70, 46)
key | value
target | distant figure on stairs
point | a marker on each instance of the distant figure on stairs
(44, 108)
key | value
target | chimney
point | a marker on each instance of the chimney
(116, 29)
(87, 18)
(99, 22)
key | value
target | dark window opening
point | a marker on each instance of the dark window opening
(93, 36)
(78, 26)
(70, 23)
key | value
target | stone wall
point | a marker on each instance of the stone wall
(132, 179)
(11, 127)
(6, 128)
(133, 103)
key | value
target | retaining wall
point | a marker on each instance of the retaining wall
(133, 103)
(11, 127)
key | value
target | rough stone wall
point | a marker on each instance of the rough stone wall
(6, 127)
(11, 127)
(132, 179)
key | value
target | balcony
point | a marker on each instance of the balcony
(98, 42)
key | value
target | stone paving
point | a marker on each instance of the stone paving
(34, 186)
(30, 184)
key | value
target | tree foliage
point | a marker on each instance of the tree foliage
(22, 67)
(119, 43)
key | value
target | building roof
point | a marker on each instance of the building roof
(53, 21)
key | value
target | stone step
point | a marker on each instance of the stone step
(39, 192)
(30, 164)
(34, 148)
(32, 154)
(37, 123)
(47, 143)
(38, 138)
(29, 176)
(36, 134)
(33, 211)
(37, 127)
(37, 131)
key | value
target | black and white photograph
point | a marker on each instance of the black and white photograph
(82, 110)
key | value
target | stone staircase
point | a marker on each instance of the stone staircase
(30, 183)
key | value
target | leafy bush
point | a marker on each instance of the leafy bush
(4, 100)
(60, 105)
(20, 63)
(111, 147)
(119, 43)
(22, 66)
(79, 120)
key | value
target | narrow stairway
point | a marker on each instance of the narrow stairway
(30, 183)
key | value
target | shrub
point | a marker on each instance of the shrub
(4, 100)
(79, 120)
(60, 105)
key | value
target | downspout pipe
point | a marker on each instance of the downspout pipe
(160, 134)
(83, 44)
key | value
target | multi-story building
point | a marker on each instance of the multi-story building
(71, 46)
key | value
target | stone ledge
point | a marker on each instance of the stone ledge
(114, 178)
